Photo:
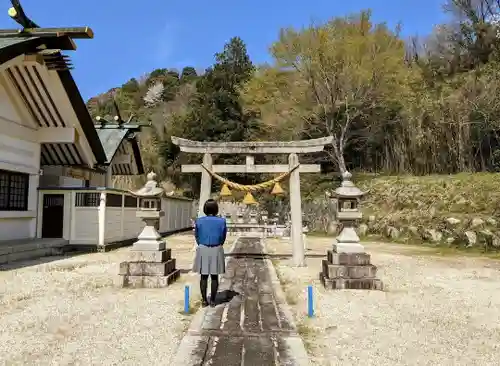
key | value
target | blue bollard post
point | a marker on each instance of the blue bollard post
(186, 299)
(310, 303)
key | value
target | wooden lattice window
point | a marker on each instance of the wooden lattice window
(14, 189)
(87, 199)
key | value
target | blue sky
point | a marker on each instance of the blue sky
(132, 38)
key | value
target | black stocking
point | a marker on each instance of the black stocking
(214, 286)
(203, 287)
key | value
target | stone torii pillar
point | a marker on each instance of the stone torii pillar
(206, 183)
(292, 148)
(296, 212)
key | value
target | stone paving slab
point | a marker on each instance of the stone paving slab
(253, 327)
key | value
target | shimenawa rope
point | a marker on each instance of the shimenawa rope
(253, 187)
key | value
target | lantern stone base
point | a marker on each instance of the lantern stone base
(149, 269)
(150, 281)
(349, 248)
(349, 271)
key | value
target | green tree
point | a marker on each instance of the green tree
(468, 41)
(216, 113)
(350, 66)
(171, 84)
(188, 74)
(157, 73)
(130, 87)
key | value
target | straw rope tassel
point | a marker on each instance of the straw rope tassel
(249, 200)
(225, 191)
(277, 189)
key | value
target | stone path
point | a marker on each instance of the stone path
(253, 327)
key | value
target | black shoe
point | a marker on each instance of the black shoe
(204, 303)
(212, 303)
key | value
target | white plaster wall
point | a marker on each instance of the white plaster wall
(85, 228)
(56, 177)
(19, 154)
(177, 214)
(50, 176)
(49, 180)
(132, 226)
(113, 225)
(122, 222)
(97, 180)
(52, 171)
(71, 182)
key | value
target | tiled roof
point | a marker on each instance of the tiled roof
(111, 140)
(6, 42)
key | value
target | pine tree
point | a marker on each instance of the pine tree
(216, 113)
(188, 74)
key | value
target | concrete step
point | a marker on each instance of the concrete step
(17, 250)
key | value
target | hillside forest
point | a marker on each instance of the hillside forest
(395, 105)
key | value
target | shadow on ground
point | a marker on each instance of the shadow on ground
(225, 296)
(37, 261)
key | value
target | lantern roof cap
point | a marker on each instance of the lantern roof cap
(151, 188)
(347, 188)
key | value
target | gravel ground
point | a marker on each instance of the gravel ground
(71, 312)
(435, 311)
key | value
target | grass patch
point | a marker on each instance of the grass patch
(290, 298)
(65, 267)
(23, 297)
(438, 249)
(194, 296)
(194, 306)
(423, 201)
(308, 335)
(304, 327)
(419, 247)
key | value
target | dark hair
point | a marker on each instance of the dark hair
(211, 208)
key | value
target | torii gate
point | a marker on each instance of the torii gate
(293, 148)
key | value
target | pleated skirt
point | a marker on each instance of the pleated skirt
(209, 260)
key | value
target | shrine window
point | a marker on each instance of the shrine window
(14, 189)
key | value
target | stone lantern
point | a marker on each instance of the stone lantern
(265, 222)
(348, 265)
(253, 219)
(240, 217)
(348, 197)
(151, 263)
(274, 222)
(229, 221)
(264, 216)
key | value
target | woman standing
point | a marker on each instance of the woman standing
(210, 233)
